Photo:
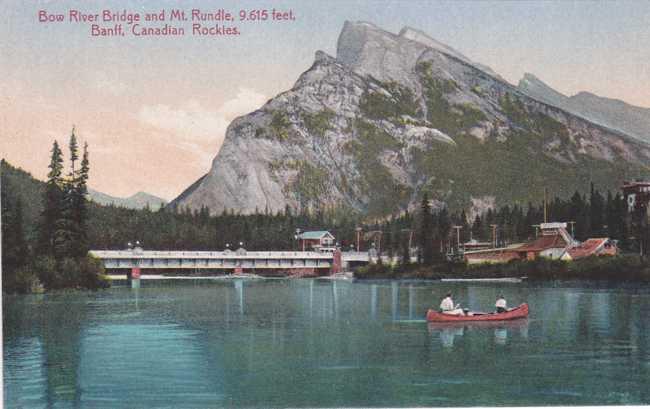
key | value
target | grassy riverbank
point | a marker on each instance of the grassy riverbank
(621, 268)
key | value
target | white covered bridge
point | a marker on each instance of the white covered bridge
(290, 262)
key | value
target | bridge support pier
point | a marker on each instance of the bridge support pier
(337, 262)
(134, 278)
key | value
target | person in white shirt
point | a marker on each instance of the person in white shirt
(447, 306)
(501, 304)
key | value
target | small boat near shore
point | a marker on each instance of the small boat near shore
(338, 276)
(512, 314)
(485, 280)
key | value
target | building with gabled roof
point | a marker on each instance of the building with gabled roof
(316, 240)
(553, 242)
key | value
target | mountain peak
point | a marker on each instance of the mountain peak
(136, 201)
(354, 37)
(322, 56)
(370, 50)
(536, 88)
(390, 118)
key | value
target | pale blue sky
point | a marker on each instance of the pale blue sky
(114, 89)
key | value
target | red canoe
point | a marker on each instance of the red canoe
(513, 314)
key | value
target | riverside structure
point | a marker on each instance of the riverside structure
(312, 263)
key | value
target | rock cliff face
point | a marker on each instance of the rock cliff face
(392, 116)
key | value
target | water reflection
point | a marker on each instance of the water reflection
(138, 358)
(411, 301)
(373, 301)
(394, 291)
(305, 343)
(449, 331)
(239, 289)
(500, 336)
(447, 335)
(335, 299)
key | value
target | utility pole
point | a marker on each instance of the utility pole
(358, 230)
(457, 237)
(545, 203)
(494, 235)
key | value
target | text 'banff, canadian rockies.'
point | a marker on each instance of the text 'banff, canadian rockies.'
(173, 22)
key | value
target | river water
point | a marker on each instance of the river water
(306, 343)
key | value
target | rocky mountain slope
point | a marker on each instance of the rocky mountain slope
(612, 113)
(394, 116)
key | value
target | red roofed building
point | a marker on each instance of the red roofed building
(315, 240)
(491, 256)
(592, 247)
(553, 242)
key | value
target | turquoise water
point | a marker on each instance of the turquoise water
(306, 343)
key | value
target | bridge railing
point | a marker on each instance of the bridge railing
(209, 254)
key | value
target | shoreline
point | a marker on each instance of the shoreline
(618, 268)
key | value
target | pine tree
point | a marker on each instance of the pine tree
(597, 212)
(53, 202)
(477, 228)
(443, 227)
(465, 228)
(74, 152)
(79, 192)
(425, 254)
(610, 216)
(577, 214)
(14, 244)
(69, 235)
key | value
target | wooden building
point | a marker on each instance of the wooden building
(316, 240)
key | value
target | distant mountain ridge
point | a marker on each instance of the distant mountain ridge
(31, 191)
(611, 113)
(139, 200)
(393, 116)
